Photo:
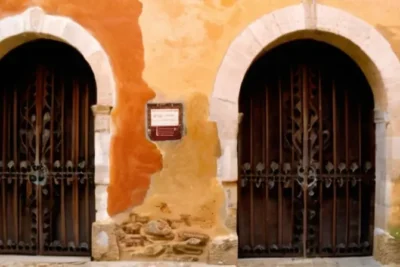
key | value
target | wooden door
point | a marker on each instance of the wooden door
(47, 151)
(306, 155)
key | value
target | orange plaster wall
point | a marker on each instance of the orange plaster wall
(184, 51)
(171, 50)
(174, 61)
(185, 42)
(179, 67)
(115, 26)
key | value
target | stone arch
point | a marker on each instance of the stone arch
(34, 23)
(361, 41)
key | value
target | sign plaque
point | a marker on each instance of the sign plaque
(164, 121)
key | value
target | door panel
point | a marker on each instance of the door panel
(47, 152)
(306, 155)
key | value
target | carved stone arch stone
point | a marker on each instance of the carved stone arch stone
(361, 41)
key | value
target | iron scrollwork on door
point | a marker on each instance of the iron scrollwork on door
(38, 174)
(307, 180)
(304, 151)
(46, 152)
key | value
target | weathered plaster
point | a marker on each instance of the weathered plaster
(184, 51)
(185, 198)
(179, 59)
(368, 48)
(34, 23)
(116, 28)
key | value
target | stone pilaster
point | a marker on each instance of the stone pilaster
(385, 245)
(223, 249)
(102, 126)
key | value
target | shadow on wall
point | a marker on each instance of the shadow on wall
(185, 199)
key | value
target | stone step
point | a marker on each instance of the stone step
(42, 261)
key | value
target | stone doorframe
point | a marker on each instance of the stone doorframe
(363, 43)
(33, 24)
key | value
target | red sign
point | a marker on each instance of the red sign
(164, 121)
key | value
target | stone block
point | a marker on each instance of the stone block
(102, 148)
(12, 26)
(102, 174)
(227, 162)
(381, 116)
(104, 77)
(101, 198)
(382, 214)
(224, 250)
(231, 219)
(290, 19)
(101, 109)
(78, 37)
(102, 123)
(383, 191)
(33, 19)
(174, 240)
(104, 241)
(386, 249)
(230, 189)
(265, 30)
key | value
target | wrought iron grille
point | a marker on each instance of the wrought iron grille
(47, 151)
(306, 155)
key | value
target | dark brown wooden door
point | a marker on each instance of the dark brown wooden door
(47, 151)
(306, 155)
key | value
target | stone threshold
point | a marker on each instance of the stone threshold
(311, 262)
(51, 261)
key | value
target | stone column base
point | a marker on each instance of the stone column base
(104, 241)
(386, 249)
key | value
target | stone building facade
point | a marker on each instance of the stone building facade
(177, 200)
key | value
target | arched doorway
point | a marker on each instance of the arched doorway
(46, 150)
(306, 155)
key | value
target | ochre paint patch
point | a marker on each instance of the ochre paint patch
(187, 184)
(184, 197)
(115, 26)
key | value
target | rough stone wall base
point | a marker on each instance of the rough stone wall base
(222, 250)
